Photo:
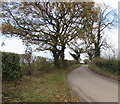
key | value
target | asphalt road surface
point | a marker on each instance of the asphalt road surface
(91, 87)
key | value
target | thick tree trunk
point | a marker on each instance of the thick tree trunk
(97, 45)
(59, 54)
(63, 60)
(97, 50)
(78, 62)
(56, 60)
(62, 56)
(90, 55)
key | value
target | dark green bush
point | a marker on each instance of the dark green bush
(11, 69)
(110, 65)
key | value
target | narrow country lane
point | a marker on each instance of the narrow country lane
(91, 87)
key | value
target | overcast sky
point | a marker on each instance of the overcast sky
(16, 45)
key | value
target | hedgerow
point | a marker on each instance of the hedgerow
(110, 65)
(11, 69)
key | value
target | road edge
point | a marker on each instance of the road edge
(68, 82)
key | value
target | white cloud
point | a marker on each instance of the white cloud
(12, 45)
(112, 37)
(111, 3)
(46, 54)
(67, 55)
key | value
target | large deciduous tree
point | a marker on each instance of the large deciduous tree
(94, 37)
(106, 20)
(76, 49)
(50, 25)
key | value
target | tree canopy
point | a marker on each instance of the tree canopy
(50, 25)
(54, 25)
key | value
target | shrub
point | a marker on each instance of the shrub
(42, 64)
(38, 66)
(10, 66)
(71, 62)
(66, 63)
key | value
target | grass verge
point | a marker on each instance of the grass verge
(104, 72)
(51, 87)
